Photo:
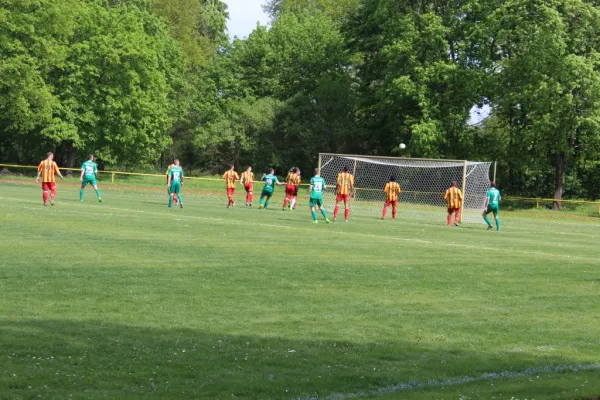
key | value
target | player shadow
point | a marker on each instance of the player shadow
(94, 359)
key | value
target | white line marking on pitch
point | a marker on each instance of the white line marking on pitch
(229, 222)
(488, 376)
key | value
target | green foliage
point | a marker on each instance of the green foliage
(547, 86)
(89, 77)
(339, 10)
(198, 25)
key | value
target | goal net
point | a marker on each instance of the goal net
(423, 184)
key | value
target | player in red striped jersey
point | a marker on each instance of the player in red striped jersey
(454, 197)
(292, 181)
(345, 185)
(231, 177)
(392, 191)
(247, 181)
(47, 169)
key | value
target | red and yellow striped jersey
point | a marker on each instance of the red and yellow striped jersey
(48, 170)
(247, 177)
(167, 171)
(454, 197)
(231, 177)
(345, 182)
(292, 179)
(392, 190)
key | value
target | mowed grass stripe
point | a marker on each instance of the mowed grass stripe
(516, 241)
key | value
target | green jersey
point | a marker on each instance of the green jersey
(318, 185)
(270, 180)
(90, 169)
(176, 174)
(494, 197)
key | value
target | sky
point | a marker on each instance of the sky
(243, 15)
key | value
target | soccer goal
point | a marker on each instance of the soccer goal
(423, 182)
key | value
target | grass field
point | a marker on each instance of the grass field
(129, 300)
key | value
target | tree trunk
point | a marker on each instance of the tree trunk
(561, 166)
(70, 158)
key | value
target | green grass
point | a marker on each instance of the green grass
(127, 299)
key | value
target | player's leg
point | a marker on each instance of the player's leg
(456, 216)
(394, 209)
(336, 209)
(82, 189)
(268, 200)
(45, 190)
(487, 219)
(52, 192)
(347, 207)
(449, 218)
(178, 194)
(497, 217)
(249, 195)
(323, 211)
(313, 211)
(296, 188)
(385, 207)
(95, 186)
(286, 199)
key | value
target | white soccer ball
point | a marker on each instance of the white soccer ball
(402, 146)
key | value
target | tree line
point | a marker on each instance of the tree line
(138, 82)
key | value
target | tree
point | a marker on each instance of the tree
(547, 82)
(98, 78)
(198, 25)
(420, 73)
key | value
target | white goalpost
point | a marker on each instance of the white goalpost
(423, 183)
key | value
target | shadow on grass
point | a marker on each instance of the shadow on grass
(87, 359)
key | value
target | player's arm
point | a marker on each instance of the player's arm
(40, 167)
(81, 175)
(278, 182)
(58, 171)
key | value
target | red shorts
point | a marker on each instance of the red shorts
(391, 203)
(230, 191)
(248, 187)
(453, 210)
(48, 186)
(342, 197)
(290, 190)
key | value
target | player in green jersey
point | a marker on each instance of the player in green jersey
(317, 185)
(270, 181)
(174, 183)
(89, 170)
(492, 205)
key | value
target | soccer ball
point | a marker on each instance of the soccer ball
(402, 146)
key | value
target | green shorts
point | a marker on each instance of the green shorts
(315, 202)
(267, 194)
(86, 181)
(493, 209)
(175, 188)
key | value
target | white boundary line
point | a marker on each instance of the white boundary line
(288, 227)
(488, 376)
